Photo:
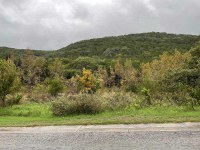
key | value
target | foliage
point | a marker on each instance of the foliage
(103, 77)
(55, 86)
(33, 69)
(94, 67)
(141, 47)
(130, 76)
(56, 68)
(87, 83)
(120, 75)
(113, 100)
(90, 103)
(157, 70)
(187, 80)
(9, 81)
(77, 104)
(85, 62)
(146, 93)
(156, 75)
(69, 73)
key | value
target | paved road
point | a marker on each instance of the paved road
(184, 136)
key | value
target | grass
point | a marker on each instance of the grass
(40, 115)
(27, 110)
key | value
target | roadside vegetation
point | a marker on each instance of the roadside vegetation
(35, 90)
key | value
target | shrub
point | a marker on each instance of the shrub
(55, 86)
(87, 83)
(91, 103)
(146, 93)
(9, 81)
(77, 104)
(115, 100)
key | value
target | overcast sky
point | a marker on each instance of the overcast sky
(52, 24)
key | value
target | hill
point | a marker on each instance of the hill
(143, 46)
(140, 47)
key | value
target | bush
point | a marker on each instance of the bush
(146, 93)
(90, 103)
(55, 86)
(115, 100)
(77, 104)
(88, 82)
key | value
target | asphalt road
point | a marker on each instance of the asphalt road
(184, 136)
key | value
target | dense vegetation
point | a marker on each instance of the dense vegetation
(89, 84)
(6, 52)
(139, 47)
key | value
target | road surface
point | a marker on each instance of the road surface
(183, 136)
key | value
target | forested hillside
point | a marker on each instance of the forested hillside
(139, 47)
(144, 46)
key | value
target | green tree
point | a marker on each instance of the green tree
(56, 68)
(9, 81)
(188, 78)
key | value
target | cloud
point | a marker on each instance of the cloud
(52, 24)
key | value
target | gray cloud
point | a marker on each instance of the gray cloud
(52, 24)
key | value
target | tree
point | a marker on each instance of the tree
(130, 76)
(188, 78)
(33, 68)
(56, 68)
(85, 62)
(9, 81)
(157, 70)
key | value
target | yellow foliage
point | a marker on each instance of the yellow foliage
(130, 73)
(159, 69)
(88, 83)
